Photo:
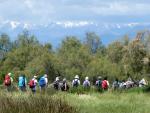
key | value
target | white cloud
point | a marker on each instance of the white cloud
(46, 11)
(14, 24)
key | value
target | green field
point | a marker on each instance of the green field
(108, 102)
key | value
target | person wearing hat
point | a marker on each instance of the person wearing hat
(22, 82)
(64, 86)
(76, 81)
(33, 83)
(86, 82)
(8, 81)
(56, 83)
(43, 82)
(99, 84)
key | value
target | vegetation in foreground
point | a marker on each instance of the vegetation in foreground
(110, 102)
(27, 103)
(128, 101)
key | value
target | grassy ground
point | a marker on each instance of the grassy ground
(109, 103)
(126, 101)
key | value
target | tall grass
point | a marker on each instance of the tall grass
(27, 103)
(110, 102)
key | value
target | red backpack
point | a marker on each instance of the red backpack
(31, 83)
(7, 80)
(104, 84)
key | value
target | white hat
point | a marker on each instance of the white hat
(45, 75)
(76, 77)
(86, 78)
(35, 76)
(57, 78)
(64, 79)
(9, 74)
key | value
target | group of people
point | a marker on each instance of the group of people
(22, 82)
(101, 83)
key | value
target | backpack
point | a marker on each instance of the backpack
(115, 84)
(56, 85)
(7, 80)
(75, 83)
(104, 84)
(63, 87)
(86, 84)
(31, 84)
(42, 82)
(21, 81)
(99, 83)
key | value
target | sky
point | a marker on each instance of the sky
(101, 11)
(74, 13)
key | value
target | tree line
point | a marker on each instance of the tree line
(120, 59)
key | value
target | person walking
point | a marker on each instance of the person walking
(86, 83)
(32, 84)
(76, 81)
(56, 84)
(8, 81)
(43, 83)
(99, 84)
(64, 86)
(105, 84)
(22, 82)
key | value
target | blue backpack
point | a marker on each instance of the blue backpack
(21, 81)
(42, 82)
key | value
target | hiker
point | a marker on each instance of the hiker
(8, 81)
(43, 82)
(76, 81)
(86, 83)
(122, 84)
(105, 84)
(115, 84)
(22, 83)
(32, 84)
(129, 83)
(142, 83)
(64, 85)
(99, 84)
(56, 83)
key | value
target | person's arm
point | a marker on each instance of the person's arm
(72, 82)
(79, 82)
(89, 83)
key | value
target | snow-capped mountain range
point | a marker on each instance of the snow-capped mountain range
(54, 32)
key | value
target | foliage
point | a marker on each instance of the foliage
(89, 57)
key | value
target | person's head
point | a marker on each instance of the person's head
(64, 80)
(9, 74)
(76, 77)
(45, 75)
(35, 77)
(105, 78)
(57, 78)
(116, 79)
(99, 78)
(86, 78)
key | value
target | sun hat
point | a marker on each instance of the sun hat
(76, 77)
(86, 78)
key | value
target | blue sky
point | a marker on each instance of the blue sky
(46, 11)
